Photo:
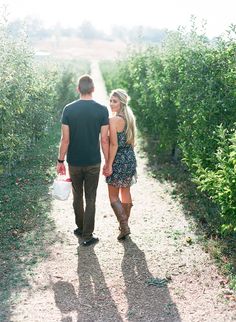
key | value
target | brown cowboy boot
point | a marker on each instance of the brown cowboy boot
(127, 208)
(122, 219)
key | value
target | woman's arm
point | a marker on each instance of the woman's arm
(113, 142)
(105, 142)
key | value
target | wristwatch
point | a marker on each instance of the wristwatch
(60, 161)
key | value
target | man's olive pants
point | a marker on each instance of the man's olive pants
(84, 184)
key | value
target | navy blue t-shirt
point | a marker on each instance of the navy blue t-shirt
(84, 118)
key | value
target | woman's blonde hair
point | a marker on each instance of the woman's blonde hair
(128, 114)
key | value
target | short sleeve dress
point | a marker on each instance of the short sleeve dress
(124, 166)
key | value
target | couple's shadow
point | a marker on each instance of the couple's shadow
(92, 301)
(146, 302)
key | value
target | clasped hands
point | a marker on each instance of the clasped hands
(107, 170)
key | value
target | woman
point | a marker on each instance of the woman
(121, 170)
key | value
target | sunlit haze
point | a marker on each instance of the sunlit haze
(104, 14)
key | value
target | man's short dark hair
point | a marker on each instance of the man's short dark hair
(85, 84)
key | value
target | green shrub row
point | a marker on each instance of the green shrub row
(32, 95)
(184, 96)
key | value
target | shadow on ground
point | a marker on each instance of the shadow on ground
(148, 298)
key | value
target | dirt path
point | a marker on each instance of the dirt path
(109, 281)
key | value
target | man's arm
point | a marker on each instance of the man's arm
(64, 143)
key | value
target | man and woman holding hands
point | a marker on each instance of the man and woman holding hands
(85, 126)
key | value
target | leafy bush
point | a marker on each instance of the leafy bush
(181, 92)
(32, 96)
(110, 73)
(26, 99)
(220, 182)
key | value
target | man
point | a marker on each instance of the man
(84, 125)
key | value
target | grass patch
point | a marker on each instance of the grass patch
(196, 206)
(25, 227)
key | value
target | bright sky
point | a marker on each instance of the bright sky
(103, 14)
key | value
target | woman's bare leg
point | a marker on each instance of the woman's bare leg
(113, 193)
(125, 195)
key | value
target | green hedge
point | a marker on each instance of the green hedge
(184, 97)
(32, 95)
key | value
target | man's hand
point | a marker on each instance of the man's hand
(61, 169)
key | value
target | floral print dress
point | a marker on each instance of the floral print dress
(124, 164)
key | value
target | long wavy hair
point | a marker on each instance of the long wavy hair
(128, 114)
